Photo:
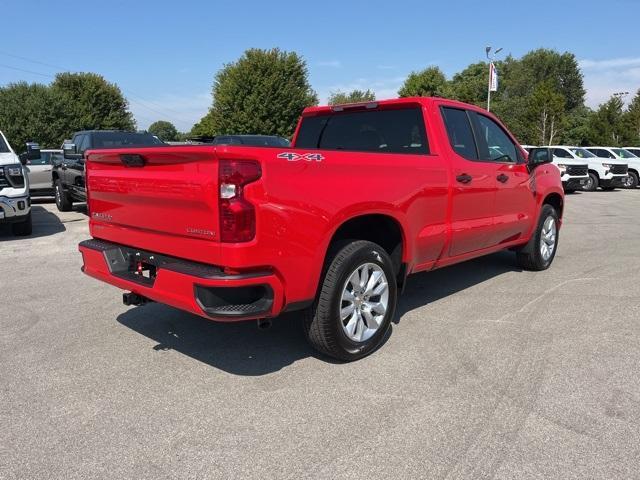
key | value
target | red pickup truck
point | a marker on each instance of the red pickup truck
(366, 195)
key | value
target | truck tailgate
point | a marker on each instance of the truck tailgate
(154, 193)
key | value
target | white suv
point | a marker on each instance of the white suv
(603, 172)
(574, 173)
(15, 204)
(621, 155)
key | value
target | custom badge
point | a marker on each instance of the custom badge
(295, 157)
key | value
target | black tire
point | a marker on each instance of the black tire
(323, 326)
(633, 180)
(592, 184)
(529, 257)
(63, 201)
(569, 190)
(24, 228)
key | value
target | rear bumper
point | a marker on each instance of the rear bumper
(195, 287)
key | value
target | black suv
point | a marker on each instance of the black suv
(68, 175)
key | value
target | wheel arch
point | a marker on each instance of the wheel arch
(381, 228)
(556, 201)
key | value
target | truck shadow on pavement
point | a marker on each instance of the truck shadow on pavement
(45, 223)
(242, 349)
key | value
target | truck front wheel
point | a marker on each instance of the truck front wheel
(356, 302)
(63, 202)
(541, 249)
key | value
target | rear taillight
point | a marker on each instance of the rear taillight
(237, 215)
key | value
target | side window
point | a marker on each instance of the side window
(562, 153)
(43, 160)
(460, 132)
(82, 143)
(381, 131)
(499, 146)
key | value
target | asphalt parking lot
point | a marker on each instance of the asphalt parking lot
(489, 372)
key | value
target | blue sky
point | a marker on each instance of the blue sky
(164, 54)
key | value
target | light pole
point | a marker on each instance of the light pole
(490, 57)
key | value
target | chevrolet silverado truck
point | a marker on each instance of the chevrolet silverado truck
(15, 202)
(332, 226)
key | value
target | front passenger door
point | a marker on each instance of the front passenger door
(75, 168)
(474, 186)
(514, 201)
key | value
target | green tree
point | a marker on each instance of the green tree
(354, 96)
(546, 111)
(544, 66)
(429, 82)
(88, 101)
(470, 85)
(29, 113)
(164, 130)
(605, 124)
(631, 122)
(264, 92)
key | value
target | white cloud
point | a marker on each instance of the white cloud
(182, 111)
(603, 78)
(330, 63)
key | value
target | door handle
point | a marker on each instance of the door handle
(502, 178)
(464, 178)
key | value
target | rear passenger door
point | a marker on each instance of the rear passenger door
(514, 201)
(474, 185)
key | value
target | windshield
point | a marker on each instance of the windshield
(622, 153)
(124, 139)
(582, 153)
(3, 146)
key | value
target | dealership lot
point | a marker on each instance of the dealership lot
(490, 372)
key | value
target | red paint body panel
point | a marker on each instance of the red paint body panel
(170, 206)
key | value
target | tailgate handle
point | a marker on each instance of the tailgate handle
(132, 160)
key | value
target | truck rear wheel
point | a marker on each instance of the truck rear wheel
(63, 202)
(539, 252)
(355, 304)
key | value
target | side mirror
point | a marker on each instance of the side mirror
(539, 156)
(69, 151)
(33, 152)
(23, 158)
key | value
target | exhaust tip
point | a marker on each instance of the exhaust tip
(264, 323)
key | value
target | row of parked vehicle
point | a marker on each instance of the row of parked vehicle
(590, 168)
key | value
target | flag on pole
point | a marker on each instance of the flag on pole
(493, 78)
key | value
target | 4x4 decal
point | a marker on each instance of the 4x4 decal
(294, 157)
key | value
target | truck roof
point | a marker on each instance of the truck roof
(381, 103)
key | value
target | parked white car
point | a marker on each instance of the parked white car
(39, 172)
(634, 150)
(605, 173)
(15, 204)
(574, 173)
(621, 155)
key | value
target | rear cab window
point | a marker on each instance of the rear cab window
(397, 130)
